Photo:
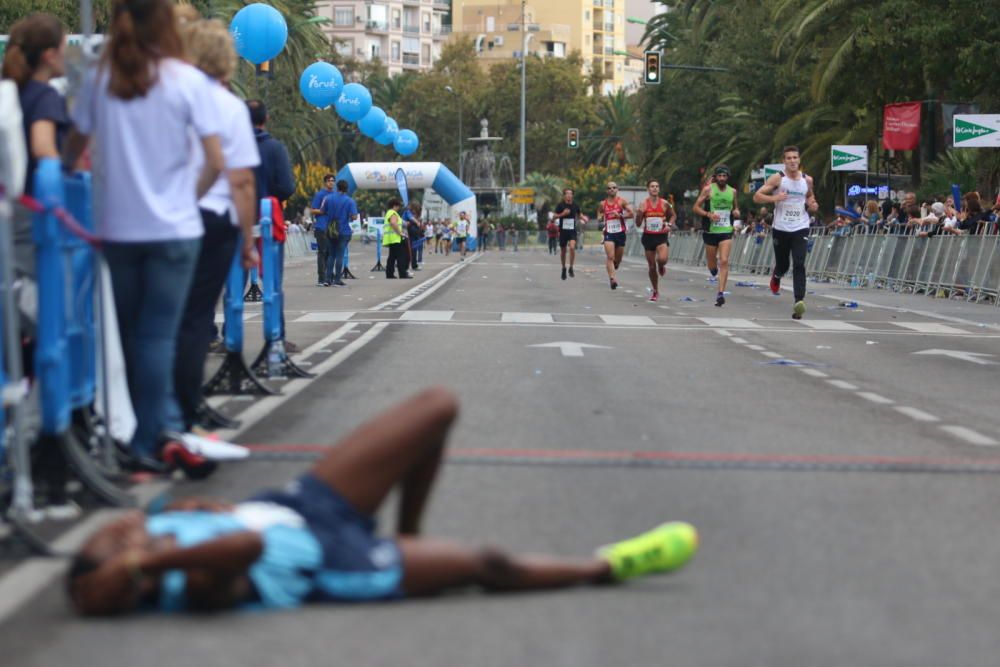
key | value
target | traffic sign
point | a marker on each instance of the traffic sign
(522, 200)
(522, 192)
(976, 130)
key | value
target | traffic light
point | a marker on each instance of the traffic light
(573, 137)
(651, 74)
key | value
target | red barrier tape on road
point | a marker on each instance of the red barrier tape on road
(71, 224)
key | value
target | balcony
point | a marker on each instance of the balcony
(598, 3)
(377, 26)
(609, 50)
(412, 29)
(442, 31)
(411, 60)
(529, 27)
(609, 27)
(598, 50)
(442, 5)
(598, 26)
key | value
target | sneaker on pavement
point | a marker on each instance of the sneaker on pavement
(655, 296)
(663, 549)
(614, 284)
(798, 310)
(564, 273)
(720, 300)
(320, 283)
(571, 275)
(775, 285)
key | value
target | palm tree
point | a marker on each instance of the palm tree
(618, 140)
(548, 188)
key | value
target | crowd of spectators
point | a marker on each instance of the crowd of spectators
(927, 218)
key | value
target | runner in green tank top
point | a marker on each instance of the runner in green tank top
(723, 208)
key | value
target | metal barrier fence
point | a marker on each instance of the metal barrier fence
(965, 266)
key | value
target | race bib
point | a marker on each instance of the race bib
(461, 228)
(792, 215)
(654, 224)
(724, 218)
(569, 223)
(613, 226)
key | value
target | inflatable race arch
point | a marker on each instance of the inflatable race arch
(419, 176)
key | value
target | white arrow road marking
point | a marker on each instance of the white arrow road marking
(570, 349)
(974, 357)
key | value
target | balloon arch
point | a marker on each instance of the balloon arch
(419, 176)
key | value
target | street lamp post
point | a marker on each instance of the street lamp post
(524, 62)
(455, 93)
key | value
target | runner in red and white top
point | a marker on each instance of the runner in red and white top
(656, 217)
(612, 213)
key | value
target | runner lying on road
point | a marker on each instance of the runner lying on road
(314, 540)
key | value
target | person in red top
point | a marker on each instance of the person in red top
(553, 231)
(656, 217)
(612, 213)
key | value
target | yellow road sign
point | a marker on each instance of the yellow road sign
(522, 200)
(522, 192)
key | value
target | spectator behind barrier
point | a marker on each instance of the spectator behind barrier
(34, 56)
(142, 104)
(229, 202)
(323, 255)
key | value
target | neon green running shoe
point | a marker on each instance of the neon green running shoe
(798, 310)
(662, 549)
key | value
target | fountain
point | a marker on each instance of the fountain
(489, 175)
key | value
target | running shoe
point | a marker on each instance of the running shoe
(663, 269)
(720, 300)
(571, 274)
(655, 296)
(614, 284)
(663, 549)
(564, 273)
(798, 310)
(775, 285)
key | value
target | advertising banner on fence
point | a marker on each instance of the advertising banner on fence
(901, 126)
(849, 158)
(976, 130)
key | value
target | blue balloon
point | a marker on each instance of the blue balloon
(373, 124)
(354, 102)
(389, 134)
(321, 84)
(259, 32)
(406, 142)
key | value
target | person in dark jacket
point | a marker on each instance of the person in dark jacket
(274, 179)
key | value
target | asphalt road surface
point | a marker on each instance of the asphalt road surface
(843, 472)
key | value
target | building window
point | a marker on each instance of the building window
(395, 52)
(427, 23)
(586, 15)
(491, 24)
(345, 47)
(425, 54)
(374, 50)
(586, 40)
(397, 19)
(343, 16)
(411, 45)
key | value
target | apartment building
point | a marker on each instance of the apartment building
(403, 34)
(555, 28)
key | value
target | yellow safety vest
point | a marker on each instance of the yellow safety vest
(389, 236)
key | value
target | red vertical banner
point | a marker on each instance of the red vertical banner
(901, 126)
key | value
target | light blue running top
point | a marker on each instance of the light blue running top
(282, 575)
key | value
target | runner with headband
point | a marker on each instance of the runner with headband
(723, 208)
(656, 217)
(612, 213)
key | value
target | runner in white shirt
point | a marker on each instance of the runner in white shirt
(462, 231)
(793, 199)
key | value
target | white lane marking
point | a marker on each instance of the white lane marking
(768, 353)
(326, 316)
(428, 315)
(221, 317)
(729, 322)
(916, 413)
(929, 327)
(721, 332)
(841, 384)
(814, 373)
(875, 398)
(26, 581)
(323, 342)
(970, 436)
(973, 357)
(739, 341)
(628, 320)
(830, 325)
(269, 404)
(527, 318)
(571, 349)
(430, 285)
(756, 348)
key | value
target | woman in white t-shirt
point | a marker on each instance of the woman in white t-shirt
(139, 104)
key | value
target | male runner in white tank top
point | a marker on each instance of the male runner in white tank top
(793, 199)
